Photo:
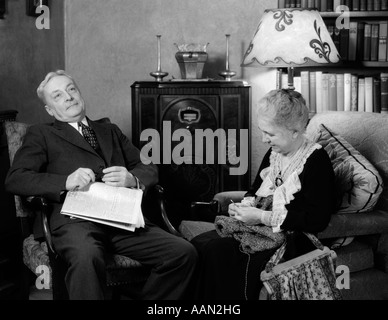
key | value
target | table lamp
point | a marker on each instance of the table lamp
(288, 38)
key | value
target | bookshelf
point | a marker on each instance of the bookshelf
(364, 61)
(356, 14)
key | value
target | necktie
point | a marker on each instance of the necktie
(89, 135)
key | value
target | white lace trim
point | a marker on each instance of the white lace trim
(284, 194)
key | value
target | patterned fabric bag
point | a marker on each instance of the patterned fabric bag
(308, 277)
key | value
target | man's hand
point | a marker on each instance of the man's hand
(118, 177)
(79, 179)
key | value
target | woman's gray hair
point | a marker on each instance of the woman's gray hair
(287, 108)
(48, 77)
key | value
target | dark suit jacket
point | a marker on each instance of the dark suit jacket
(51, 152)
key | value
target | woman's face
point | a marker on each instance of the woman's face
(279, 138)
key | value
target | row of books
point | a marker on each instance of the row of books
(341, 91)
(331, 5)
(362, 41)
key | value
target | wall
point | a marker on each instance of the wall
(108, 45)
(26, 55)
(112, 44)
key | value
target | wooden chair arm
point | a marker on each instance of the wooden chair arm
(163, 211)
(39, 203)
(213, 205)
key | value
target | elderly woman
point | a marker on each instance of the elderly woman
(293, 191)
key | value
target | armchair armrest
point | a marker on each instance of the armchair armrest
(206, 211)
(224, 198)
(163, 211)
(39, 203)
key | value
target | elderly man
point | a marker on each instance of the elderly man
(66, 155)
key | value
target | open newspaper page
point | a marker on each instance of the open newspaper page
(115, 206)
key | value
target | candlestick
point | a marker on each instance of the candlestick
(159, 57)
(227, 51)
(227, 74)
(159, 74)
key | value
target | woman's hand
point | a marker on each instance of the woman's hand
(118, 177)
(247, 214)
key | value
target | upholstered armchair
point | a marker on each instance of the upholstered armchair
(123, 274)
(357, 143)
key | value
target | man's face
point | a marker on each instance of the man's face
(63, 100)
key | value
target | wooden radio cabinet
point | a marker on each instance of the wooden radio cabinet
(182, 108)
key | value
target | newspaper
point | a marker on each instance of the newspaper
(114, 206)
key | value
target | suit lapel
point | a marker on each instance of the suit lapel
(71, 135)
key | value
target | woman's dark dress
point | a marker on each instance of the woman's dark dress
(223, 270)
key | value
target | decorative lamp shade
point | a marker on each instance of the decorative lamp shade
(291, 38)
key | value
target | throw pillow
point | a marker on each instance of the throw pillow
(358, 183)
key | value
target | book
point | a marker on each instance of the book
(304, 4)
(284, 81)
(330, 6)
(353, 28)
(367, 41)
(323, 5)
(279, 73)
(376, 95)
(330, 29)
(383, 32)
(318, 77)
(384, 5)
(356, 5)
(362, 5)
(298, 84)
(336, 38)
(281, 4)
(369, 5)
(360, 40)
(374, 42)
(369, 94)
(332, 91)
(361, 94)
(354, 93)
(336, 3)
(344, 43)
(347, 91)
(384, 92)
(340, 91)
(313, 92)
(325, 92)
(305, 86)
(317, 5)
(376, 5)
(310, 4)
(298, 3)
(114, 206)
(348, 3)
